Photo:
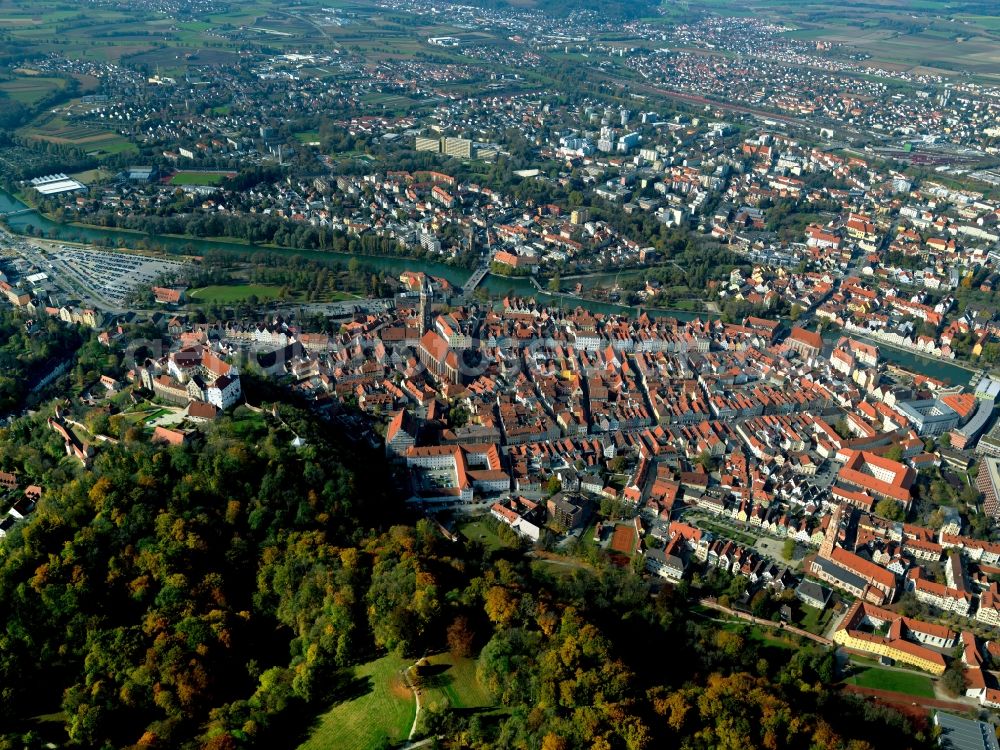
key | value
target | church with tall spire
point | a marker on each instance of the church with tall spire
(426, 303)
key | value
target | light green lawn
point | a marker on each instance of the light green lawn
(233, 293)
(197, 178)
(453, 680)
(898, 682)
(480, 531)
(384, 710)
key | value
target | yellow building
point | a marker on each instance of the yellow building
(897, 651)
(906, 640)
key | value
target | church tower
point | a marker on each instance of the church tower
(426, 301)
(832, 532)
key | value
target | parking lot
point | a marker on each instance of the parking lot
(427, 480)
(112, 275)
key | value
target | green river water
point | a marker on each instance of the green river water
(26, 222)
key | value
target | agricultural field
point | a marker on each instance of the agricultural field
(933, 51)
(55, 26)
(84, 136)
(29, 90)
(233, 293)
(378, 711)
(159, 42)
(990, 23)
(243, 14)
(138, 34)
(922, 36)
(898, 682)
(200, 178)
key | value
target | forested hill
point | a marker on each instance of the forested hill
(218, 596)
(164, 591)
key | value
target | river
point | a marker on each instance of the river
(934, 367)
(495, 285)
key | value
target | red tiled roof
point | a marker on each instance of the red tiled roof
(166, 435)
(810, 338)
(865, 568)
(854, 473)
(394, 426)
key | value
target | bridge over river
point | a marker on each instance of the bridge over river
(477, 278)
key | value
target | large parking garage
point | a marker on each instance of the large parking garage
(113, 275)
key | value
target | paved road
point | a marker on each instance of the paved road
(477, 276)
(172, 417)
(906, 701)
(421, 743)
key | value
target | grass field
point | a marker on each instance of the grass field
(235, 293)
(307, 136)
(200, 178)
(586, 539)
(480, 531)
(339, 297)
(770, 637)
(814, 620)
(898, 682)
(93, 175)
(31, 89)
(383, 710)
(83, 135)
(137, 417)
(453, 680)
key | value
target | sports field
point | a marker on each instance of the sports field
(200, 178)
(233, 293)
(91, 176)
